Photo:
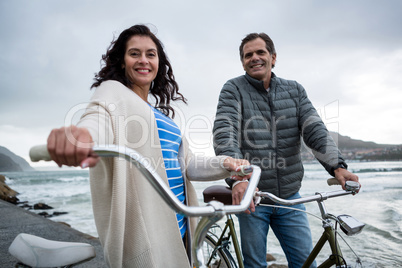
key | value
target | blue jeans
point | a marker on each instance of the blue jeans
(291, 227)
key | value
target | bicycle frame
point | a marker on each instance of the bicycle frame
(230, 228)
(329, 234)
(236, 245)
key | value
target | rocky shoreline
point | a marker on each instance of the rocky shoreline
(6, 193)
(16, 220)
(20, 217)
(10, 195)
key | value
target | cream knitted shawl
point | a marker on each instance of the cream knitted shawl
(135, 226)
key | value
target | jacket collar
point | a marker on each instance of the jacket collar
(258, 84)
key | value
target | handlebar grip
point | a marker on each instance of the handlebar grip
(244, 171)
(333, 181)
(38, 153)
(352, 186)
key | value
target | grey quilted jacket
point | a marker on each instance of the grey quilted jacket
(266, 128)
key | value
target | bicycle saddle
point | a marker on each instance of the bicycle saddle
(39, 252)
(219, 193)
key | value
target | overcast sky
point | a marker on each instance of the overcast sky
(347, 54)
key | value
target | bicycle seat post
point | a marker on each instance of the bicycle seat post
(201, 230)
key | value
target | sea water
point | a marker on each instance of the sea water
(378, 205)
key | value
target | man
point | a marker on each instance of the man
(261, 117)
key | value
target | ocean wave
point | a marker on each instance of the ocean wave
(73, 179)
(372, 170)
(384, 234)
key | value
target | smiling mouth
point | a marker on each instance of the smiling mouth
(143, 70)
(257, 66)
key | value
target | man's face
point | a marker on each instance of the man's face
(257, 61)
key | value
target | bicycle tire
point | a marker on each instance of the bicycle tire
(221, 258)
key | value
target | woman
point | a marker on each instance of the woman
(135, 226)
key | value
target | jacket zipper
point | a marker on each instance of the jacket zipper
(274, 139)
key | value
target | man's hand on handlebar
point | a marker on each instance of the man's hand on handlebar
(71, 146)
(343, 175)
(237, 195)
(241, 177)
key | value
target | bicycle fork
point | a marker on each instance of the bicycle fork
(335, 258)
(328, 235)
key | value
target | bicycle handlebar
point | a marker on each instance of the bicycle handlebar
(210, 213)
(351, 188)
(40, 152)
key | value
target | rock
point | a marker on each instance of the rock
(277, 266)
(62, 222)
(57, 213)
(27, 206)
(6, 193)
(45, 214)
(270, 257)
(274, 265)
(42, 206)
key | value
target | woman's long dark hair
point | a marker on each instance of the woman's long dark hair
(164, 89)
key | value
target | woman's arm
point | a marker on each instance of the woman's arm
(205, 168)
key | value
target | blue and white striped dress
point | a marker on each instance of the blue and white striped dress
(170, 139)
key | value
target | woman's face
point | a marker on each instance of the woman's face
(141, 61)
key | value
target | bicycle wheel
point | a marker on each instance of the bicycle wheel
(216, 257)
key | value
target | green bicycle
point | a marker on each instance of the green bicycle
(219, 247)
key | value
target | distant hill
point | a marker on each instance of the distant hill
(12, 162)
(347, 143)
(359, 150)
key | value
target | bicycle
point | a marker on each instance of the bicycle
(41, 252)
(220, 244)
(218, 247)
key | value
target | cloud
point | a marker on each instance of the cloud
(342, 52)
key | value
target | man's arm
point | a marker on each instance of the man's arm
(316, 136)
(227, 125)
